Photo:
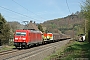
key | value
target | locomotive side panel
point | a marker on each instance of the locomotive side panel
(24, 38)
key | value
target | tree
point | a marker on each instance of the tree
(40, 27)
(77, 13)
(86, 12)
(4, 30)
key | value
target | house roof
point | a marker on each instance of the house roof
(31, 26)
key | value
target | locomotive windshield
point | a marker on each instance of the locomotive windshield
(20, 33)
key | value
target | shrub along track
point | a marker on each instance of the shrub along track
(36, 53)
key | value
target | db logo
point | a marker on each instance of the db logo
(20, 38)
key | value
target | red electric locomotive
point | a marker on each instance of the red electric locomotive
(26, 38)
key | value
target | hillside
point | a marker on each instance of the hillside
(72, 24)
(15, 25)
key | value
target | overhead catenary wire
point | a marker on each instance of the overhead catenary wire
(11, 17)
(68, 7)
(72, 18)
(26, 9)
(17, 13)
(19, 4)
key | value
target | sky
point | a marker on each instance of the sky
(38, 10)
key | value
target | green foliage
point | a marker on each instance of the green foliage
(73, 50)
(5, 47)
(53, 25)
(78, 50)
(40, 27)
(4, 30)
(64, 29)
(86, 12)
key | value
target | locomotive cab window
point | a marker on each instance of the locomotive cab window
(20, 33)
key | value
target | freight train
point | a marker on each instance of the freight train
(54, 37)
(27, 38)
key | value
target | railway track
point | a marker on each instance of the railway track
(36, 53)
(7, 51)
(27, 54)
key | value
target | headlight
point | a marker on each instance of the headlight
(16, 38)
(23, 38)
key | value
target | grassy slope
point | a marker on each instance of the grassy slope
(73, 50)
(4, 48)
